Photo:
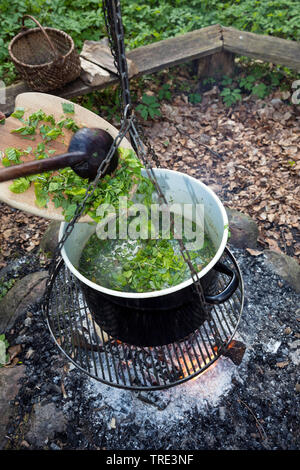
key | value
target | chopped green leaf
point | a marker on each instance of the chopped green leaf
(13, 154)
(18, 113)
(19, 185)
(52, 134)
(6, 162)
(70, 211)
(70, 124)
(24, 130)
(68, 108)
(41, 194)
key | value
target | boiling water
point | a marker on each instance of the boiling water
(140, 265)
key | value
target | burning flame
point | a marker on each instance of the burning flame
(194, 365)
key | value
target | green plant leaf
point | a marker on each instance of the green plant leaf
(19, 185)
(149, 100)
(143, 110)
(18, 113)
(68, 108)
(261, 90)
(154, 111)
(195, 98)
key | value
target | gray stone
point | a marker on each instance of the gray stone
(50, 238)
(243, 229)
(285, 267)
(26, 291)
(9, 387)
(295, 352)
(276, 102)
(44, 422)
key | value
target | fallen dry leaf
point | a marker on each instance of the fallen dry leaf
(273, 245)
(282, 364)
(13, 351)
(254, 252)
(12, 363)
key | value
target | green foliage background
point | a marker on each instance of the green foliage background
(147, 21)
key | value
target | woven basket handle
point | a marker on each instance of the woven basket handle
(58, 56)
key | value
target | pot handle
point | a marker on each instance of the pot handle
(229, 289)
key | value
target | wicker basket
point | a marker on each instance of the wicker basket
(45, 57)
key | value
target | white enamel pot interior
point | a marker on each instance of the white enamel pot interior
(177, 188)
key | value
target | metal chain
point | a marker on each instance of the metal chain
(114, 26)
(141, 151)
(125, 126)
(113, 20)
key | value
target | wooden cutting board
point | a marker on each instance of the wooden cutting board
(50, 104)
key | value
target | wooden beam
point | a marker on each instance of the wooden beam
(71, 90)
(184, 48)
(78, 88)
(216, 65)
(146, 59)
(174, 51)
(266, 48)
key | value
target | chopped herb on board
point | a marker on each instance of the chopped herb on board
(20, 185)
(68, 108)
(64, 187)
(18, 113)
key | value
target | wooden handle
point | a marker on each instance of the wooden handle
(40, 166)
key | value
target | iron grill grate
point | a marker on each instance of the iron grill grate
(126, 366)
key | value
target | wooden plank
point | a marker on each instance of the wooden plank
(266, 48)
(79, 88)
(92, 74)
(216, 65)
(10, 95)
(98, 53)
(71, 90)
(174, 51)
(184, 48)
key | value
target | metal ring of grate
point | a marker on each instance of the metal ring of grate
(126, 366)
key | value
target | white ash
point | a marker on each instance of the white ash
(166, 406)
